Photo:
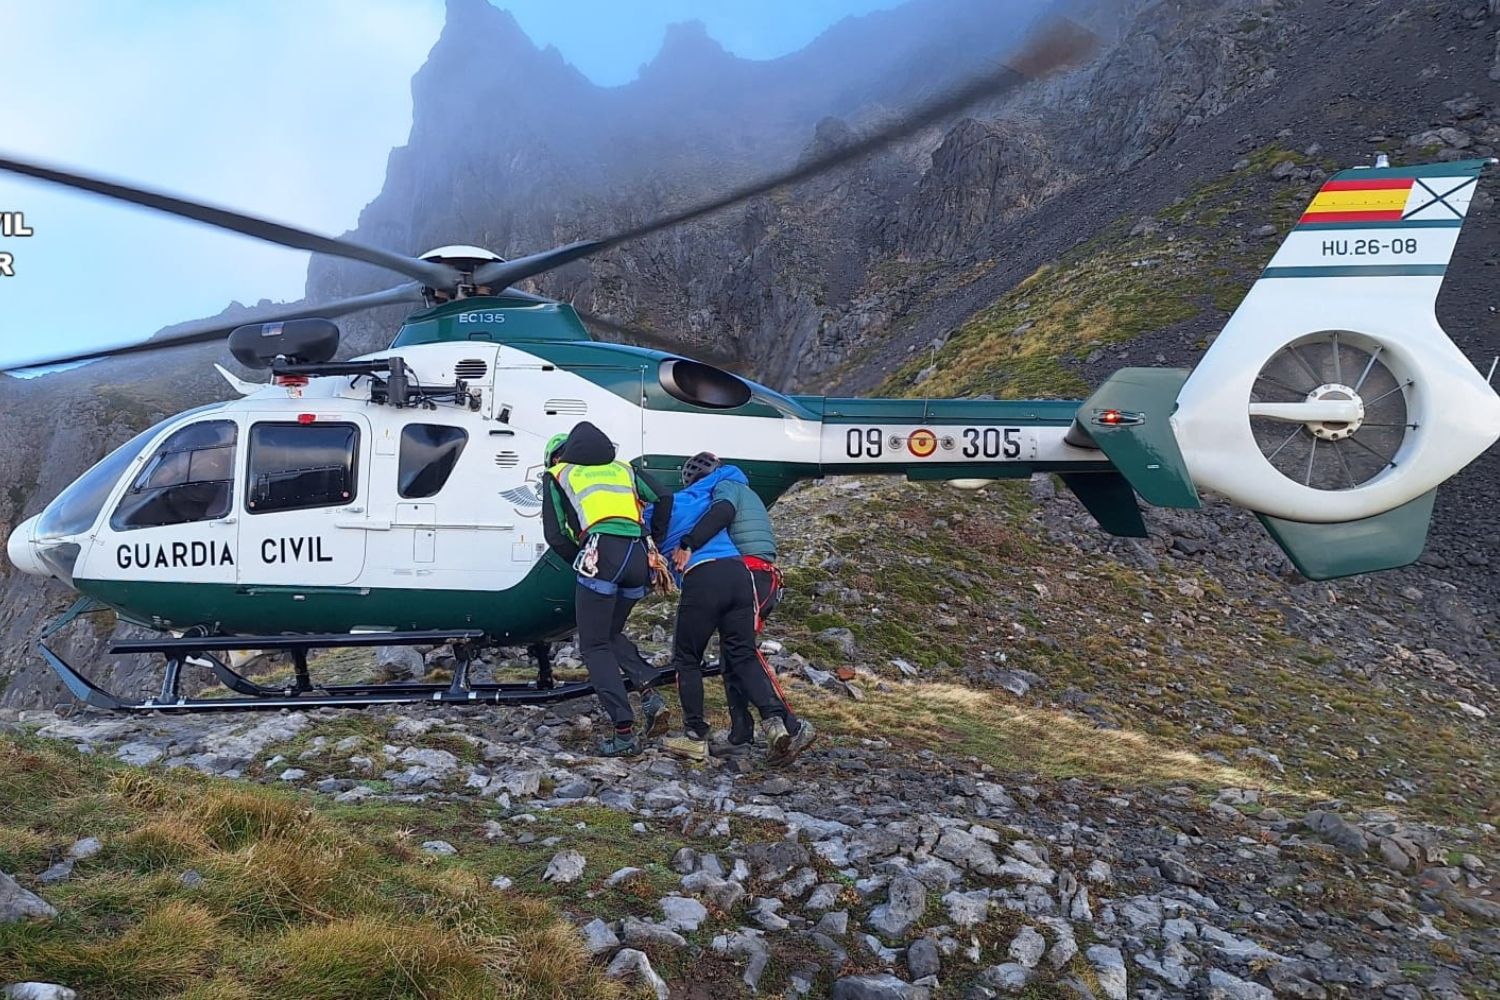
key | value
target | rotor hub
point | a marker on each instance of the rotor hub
(1335, 430)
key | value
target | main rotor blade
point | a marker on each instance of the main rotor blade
(209, 330)
(663, 342)
(500, 273)
(634, 334)
(429, 273)
(1060, 44)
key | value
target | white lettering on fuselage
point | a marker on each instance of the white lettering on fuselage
(481, 317)
(173, 555)
(304, 548)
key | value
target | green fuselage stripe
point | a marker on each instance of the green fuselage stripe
(1357, 271)
(539, 607)
(1458, 168)
(1403, 224)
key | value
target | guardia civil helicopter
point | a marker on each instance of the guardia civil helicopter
(393, 498)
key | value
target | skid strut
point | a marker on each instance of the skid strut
(212, 651)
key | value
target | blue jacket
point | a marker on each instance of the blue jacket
(688, 505)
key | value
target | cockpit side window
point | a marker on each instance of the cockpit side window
(189, 478)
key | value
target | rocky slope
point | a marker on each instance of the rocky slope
(1023, 787)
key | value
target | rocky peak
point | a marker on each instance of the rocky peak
(687, 49)
(483, 61)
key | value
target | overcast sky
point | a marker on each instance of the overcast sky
(280, 108)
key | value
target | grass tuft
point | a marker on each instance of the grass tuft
(364, 957)
(161, 954)
(295, 897)
(168, 842)
(233, 818)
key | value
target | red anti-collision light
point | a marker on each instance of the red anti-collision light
(306, 418)
(1117, 418)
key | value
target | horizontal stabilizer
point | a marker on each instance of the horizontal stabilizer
(1129, 419)
(1108, 497)
(1385, 541)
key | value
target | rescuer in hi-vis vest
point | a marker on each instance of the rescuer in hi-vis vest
(591, 516)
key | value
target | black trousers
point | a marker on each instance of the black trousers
(606, 651)
(767, 596)
(718, 596)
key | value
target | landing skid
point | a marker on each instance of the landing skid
(303, 691)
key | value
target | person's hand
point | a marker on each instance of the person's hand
(680, 559)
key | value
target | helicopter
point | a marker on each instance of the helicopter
(394, 498)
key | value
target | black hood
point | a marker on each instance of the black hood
(587, 445)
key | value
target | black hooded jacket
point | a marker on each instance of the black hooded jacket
(588, 445)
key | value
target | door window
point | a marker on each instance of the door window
(189, 478)
(298, 466)
(428, 454)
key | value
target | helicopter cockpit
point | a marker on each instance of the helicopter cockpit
(75, 510)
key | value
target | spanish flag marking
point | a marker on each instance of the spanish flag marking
(1382, 200)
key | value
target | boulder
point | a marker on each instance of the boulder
(1223, 986)
(37, 991)
(17, 903)
(1027, 947)
(399, 663)
(922, 958)
(598, 938)
(966, 909)
(633, 964)
(904, 906)
(1109, 968)
(565, 867)
(139, 754)
(682, 913)
(1339, 832)
(881, 987)
(963, 848)
(1011, 977)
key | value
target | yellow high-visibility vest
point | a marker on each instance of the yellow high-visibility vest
(599, 492)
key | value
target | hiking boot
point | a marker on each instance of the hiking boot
(687, 747)
(620, 745)
(777, 738)
(656, 714)
(804, 739)
(722, 744)
(741, 727)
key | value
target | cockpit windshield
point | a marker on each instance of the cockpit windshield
(77, 507)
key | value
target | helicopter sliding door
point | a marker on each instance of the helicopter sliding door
(304, 501)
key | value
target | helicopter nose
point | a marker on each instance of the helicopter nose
(22, 553)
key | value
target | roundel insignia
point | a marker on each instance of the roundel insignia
(922, 443)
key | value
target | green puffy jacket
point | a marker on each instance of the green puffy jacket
(751, 529)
